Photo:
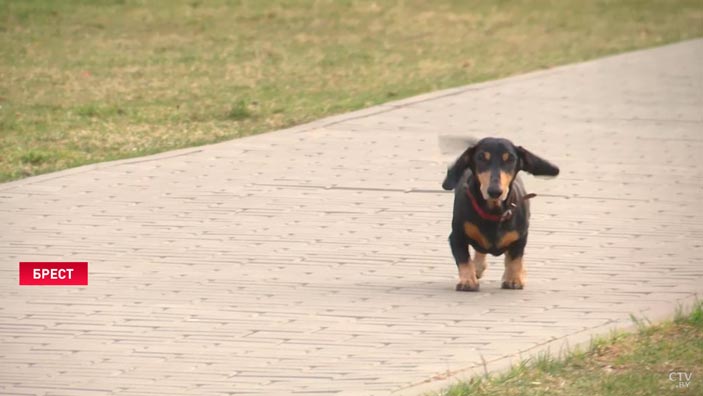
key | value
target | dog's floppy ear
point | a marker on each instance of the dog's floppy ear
(455, 171)
(535, 165)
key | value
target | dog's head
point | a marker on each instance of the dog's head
(495, 162)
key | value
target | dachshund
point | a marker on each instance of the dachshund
(491, 211)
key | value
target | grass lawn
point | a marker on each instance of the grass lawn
(634, 364)
(87, 81)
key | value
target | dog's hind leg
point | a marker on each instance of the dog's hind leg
(467, 268)
(480, 261)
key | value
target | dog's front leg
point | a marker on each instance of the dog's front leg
(467, 268)
(514, 275)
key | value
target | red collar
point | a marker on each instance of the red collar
(491, 217)
(482, 213)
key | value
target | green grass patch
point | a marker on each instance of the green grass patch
(239, 111)
(35, 157)
(97, 110)
(86, 81)
(624, 364)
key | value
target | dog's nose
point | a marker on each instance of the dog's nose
(494, 192)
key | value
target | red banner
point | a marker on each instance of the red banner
(53, 274)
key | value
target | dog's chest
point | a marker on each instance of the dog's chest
(490, 239)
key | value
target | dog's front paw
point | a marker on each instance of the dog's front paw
(514, 275)
(467, 286)
(514, 284)
(467, 277)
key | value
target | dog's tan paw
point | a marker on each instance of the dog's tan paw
(467, 286)
(514, 284)
(467, 277)
(514, 275)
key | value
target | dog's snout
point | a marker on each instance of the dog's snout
(494, 191)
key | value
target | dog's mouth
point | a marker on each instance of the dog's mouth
(494, 203)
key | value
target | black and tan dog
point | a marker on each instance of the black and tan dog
(491, 211)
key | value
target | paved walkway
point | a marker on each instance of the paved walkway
(314, 260)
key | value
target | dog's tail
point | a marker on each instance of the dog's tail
(455, 145)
